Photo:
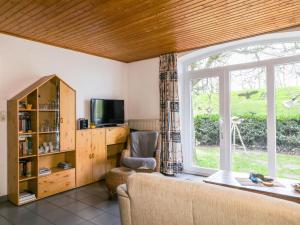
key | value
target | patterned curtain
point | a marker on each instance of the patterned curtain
(171, 152)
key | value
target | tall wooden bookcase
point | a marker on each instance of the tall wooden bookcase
(41, 133)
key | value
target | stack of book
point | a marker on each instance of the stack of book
(24, 121)
(26, 196)
(44, 171)
(64, 165)
(25, 146)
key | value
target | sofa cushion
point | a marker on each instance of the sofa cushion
(143, 143)
(136, 163)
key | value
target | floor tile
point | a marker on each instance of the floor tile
(66, 200)
(79, 195)
(72, 207)
(55, 215)
(89, 213)
(8, 210)
(92, 200)
(23, 217)
(34, 220)
(53, 197)
(40, 207)
(109, 206)
(87, 223)
(69, 220)
(76, 206)
(4, 221)
(105, 219)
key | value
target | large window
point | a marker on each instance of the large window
(242, 110)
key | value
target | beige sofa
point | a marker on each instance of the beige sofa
(155, 200)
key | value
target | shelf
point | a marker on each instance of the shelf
(56, 170)
(49, 132)
(54, 153)
(48, 110)
(23, 178)
(51, 153)
(27, 156)
(26, 133)
(27, 110)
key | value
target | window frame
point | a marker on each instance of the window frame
(223, 73)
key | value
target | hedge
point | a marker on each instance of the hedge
(253, 131)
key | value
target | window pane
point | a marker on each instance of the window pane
(287, 83)
(247, 54)
(205, 111)
(249, 120)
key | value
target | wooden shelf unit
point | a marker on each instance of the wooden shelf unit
(31, 125)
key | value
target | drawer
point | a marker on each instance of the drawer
(56, 182)
(116, 135)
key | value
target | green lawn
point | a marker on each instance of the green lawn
(249, 161)
(241, 105)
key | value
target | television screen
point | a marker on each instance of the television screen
(107, 112)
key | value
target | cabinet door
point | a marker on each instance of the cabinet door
(98, 153)
(83, 157)
(67, 117)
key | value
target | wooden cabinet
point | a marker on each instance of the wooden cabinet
(91, 155)
(67, 118)
(97, 151)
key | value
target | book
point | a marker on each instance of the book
(24, 121)
(26, 196)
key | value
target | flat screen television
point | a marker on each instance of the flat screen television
(106, 112)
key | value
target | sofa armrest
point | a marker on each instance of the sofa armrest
(122, 190)
(124, 204)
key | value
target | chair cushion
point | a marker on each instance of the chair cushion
(136, 163)
(143, 143)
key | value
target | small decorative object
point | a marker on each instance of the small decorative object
(92, 126)
(42, 150)
(296, 187)
(22, 104)
(29, 106)
(64, 165)
(259, 178)
(51, 148)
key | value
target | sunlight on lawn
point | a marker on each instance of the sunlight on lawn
(249, 161)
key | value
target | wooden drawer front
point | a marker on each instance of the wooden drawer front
(56, 182)
(116, 135)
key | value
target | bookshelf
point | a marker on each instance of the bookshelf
(41, 134)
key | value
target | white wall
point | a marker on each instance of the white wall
(22, 62)
(143, 89)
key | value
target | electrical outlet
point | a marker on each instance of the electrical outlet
(2, 115)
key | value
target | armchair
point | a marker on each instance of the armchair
(143, 152)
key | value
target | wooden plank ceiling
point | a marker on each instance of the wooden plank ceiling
(130, 30)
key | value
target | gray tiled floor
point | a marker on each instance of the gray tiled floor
(88, 205)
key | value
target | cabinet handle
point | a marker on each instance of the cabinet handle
(93, 155)
(90, 156)
(61, 120)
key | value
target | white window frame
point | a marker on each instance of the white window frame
(185, 78)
